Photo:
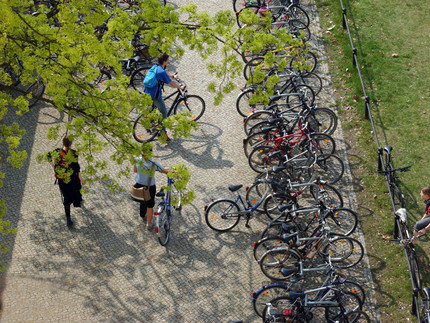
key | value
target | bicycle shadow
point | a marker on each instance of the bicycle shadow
(202, 149)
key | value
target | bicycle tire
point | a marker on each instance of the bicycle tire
(322, 120)
(298, 13)
(296, 27)
(164, 228)
(242, 103)
(145, 129)
(296, 101)
(136, 79)
(350, 286)
(328, 167)
(274, 260)
(222, 209)
(266, 294)
(253, 9)
(313, 80)
(344, 252)
(273, 201)
(251, 65)
(192, 104)
(254, 193)
(357, 317)
(253, 141)
(264, 245)
(254, 118)
(310, 62)
(323, 143)
(349, 302)
(259, 159)
(273, 229)
(415, 271)
(331, 197)
(342, 221)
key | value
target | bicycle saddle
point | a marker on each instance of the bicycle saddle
(426, 291)
(161, 193)
(287, 227)
(277, 169)
(267, 129)
(272, 154)
(276, 120)
(288, 271)
(234, 188)
(388, 149)
(275, 97)
(287, 237)
(285, 207)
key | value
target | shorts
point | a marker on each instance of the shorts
(421, 224)
(152, 190)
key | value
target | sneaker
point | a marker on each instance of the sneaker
(143, 216)
(149, 227)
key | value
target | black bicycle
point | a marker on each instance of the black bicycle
(147, 127)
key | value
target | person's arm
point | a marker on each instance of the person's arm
(176, 85)
(80, 178)
(164, 171)
(134, 169)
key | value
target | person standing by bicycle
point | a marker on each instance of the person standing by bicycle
(162, 77)
(144, 168)
(423, 225)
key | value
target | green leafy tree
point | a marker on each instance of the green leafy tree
(60, 43)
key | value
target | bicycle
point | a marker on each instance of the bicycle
(146, 128)
(163, 216)
(224, 214)
(406, 241)
(298, 307)
(385, 167)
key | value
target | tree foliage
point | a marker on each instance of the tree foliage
(59, 42)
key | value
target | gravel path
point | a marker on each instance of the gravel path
(110, 268)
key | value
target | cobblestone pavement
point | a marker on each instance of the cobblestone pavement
(110, 269)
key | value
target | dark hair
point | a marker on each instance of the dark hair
(67, 142)
(162, 58)
(426, 190)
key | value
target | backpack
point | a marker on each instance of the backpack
(63, 165)
(151, 77)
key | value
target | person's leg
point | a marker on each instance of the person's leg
(68, 217)
(149, 214)
(150, 207)
(421, 224)
(142, 210)
(161, 106)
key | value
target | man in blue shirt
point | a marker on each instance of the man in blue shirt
(156, 91)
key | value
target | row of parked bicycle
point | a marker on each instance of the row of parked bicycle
(289, 146)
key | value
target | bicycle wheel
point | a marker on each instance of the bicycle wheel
(279, 307)
(351, 287)
(322, 120)
(264, 245)
(274, 260)
(347, 303)
(37, 88)
(250, 67)
(254, 118)
(259, 159)
(192, 104)
(162, 2)
(328, 167)
(298, 13)
(248, 9)
(136, 80)
(342, 221)
(253, 141)
(163, 228)
(308, 60)
(255, 193)
(306, 95)
(311, 79)
(145, 128)
(267, 293)
(329, 195)
(222, 215)
(273, 201)
(344, 252)
(273, 229)
(244, 108)
(322, 143)
(357, 317)
(415, 270)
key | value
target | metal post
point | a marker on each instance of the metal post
(344, 18)
(354, 55)
(366, 111)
